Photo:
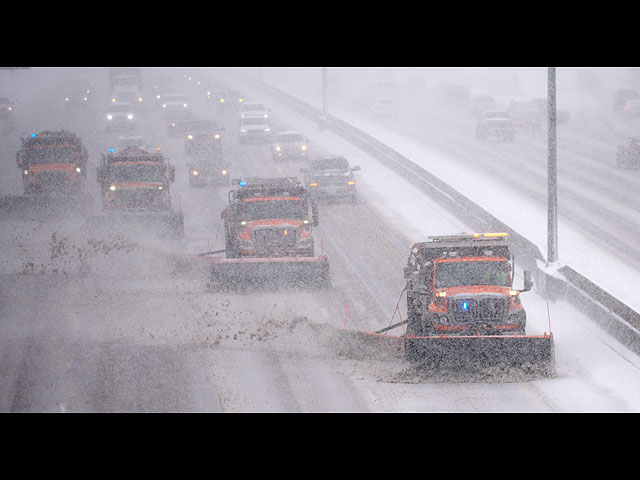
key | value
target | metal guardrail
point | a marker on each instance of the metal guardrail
(619, 319)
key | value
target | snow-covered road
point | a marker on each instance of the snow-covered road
(119, 324)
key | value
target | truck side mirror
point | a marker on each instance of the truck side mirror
(315, 215)
(19, 161)
(528, 283)
(100, 175)
(172, 173)
(355, 169)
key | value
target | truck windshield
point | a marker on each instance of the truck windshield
(51, 154)
(137, 173)
(457, 274)
(272, 209)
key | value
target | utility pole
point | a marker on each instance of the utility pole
(324, 91)
(552, 170)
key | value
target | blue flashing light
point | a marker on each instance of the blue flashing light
(33, 135)
(465, 306)
(111, 150)
(242, 183)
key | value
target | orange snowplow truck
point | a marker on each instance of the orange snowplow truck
(52, 163)
(462, 306)
(135, 186)
(268, 233)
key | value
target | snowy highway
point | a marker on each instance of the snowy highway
(100, 321)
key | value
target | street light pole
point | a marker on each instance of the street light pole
(324, 97)
(552, 170)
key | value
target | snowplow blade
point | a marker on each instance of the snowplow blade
(277, 270)
(528, 352)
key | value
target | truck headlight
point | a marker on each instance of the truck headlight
(112, 188)
(304, 148)
(194, 173)
(190, 137)
(224, 172)
(217, 136)
(78, 169)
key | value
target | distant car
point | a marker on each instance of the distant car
(120, 116)
(331, 177)
(496, 128)
(6, 107)
(622, 97)
(632, 109)
(126, 88)
(173, 105)
(384, 108)
(227, 100)
(481, 103)
(255, 129)
(253, 109)
(203, 136)
(207, 170)
(629, 155)
(289, 145)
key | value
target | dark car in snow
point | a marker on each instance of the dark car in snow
(499, 128)
(331, 177)
(629, 155)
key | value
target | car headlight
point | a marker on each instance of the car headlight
(164, 105)
(217, 136)
(190, 137)
(224, 172)
(130, 117)
(26, 172)
(267, 129)
(184, 105)
(194, 173)
(139, 99)
(109, 117)
(112, 188)
(78, 169)
(66, 99)
(277, 148)
(304, 148)
(243, 129)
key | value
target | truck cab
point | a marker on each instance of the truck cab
(52, 162)
(463, 285)
(269, 218)
(134, 179)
